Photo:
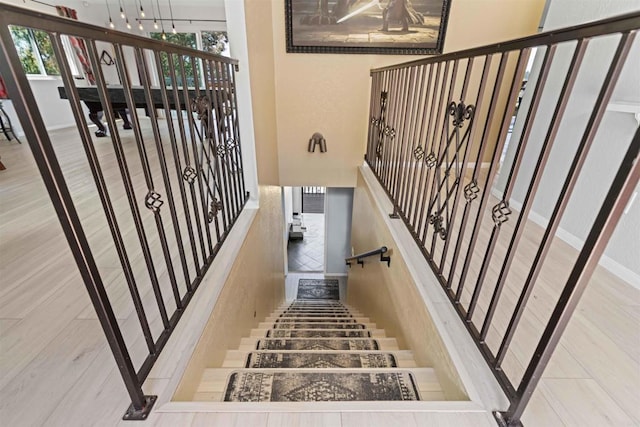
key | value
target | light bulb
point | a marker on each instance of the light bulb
(174, 29)
(111, 24)
(140, 27)
(141, 12)
(122, 15)
(128, 24)
(155, 24)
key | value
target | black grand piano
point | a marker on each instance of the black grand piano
(89, 95)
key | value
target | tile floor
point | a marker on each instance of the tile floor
(308, 254)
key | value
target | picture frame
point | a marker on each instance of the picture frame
(393, 27)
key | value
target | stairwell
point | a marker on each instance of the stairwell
(318, 350)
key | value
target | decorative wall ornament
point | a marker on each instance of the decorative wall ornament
(317, 139)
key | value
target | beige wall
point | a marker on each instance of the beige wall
(254, 288)
(330, 93)
(390, 298)
(261, 70)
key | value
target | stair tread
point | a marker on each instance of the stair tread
(316, 319)
(309, 333)
(215, 380)
(315, 325)
(238, 358)
(344, 344)
(335, 368)
(321, 360)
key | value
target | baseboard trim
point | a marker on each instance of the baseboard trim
(417, 406)
(575, 242)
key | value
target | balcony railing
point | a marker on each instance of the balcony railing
(168, 190)
(437, 141)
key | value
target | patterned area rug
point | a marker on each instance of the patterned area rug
(315, 387)
(318, 333)
(318, 289)
(317, 344)
(320, 360)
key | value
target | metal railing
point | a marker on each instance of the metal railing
(437, 135)
(359, 258)
(170, 189)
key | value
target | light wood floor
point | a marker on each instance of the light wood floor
(56, 368)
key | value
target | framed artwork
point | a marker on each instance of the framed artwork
(396, 27)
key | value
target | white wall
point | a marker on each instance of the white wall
(616, 131)
(297, 199)
(338, 210)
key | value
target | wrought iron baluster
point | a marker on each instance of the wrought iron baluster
(428, 147)
(185, 175)
(153, 200)
(476, 172)
(513, 172)
(143, 71)
(408, 138)
(469, 113)
(437, 157)
(602, 101)
(198, 204)
(501, 211)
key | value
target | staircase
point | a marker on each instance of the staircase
(318, 350)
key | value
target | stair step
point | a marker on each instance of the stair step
(310, 385)
(319, 360)
(318, 333)
(318, 319)
(328, 304)
(252, 343)
(238, 358)
(297, 314)
(301, 325)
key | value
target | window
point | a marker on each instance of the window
(215, 42)
(35, 51)
(182, 39)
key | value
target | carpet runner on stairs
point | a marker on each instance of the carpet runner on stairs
(317, 349)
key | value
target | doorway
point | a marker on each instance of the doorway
(304, 209)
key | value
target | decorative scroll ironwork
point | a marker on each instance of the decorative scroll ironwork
(431, 160)
(471, 191)
(460, 113)
(418, 153)
(153, 201)
(500, 213)
(450, 165)
(437, 221)
(189, 174)
(214, 208)
(381, 124)
(221, 150)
